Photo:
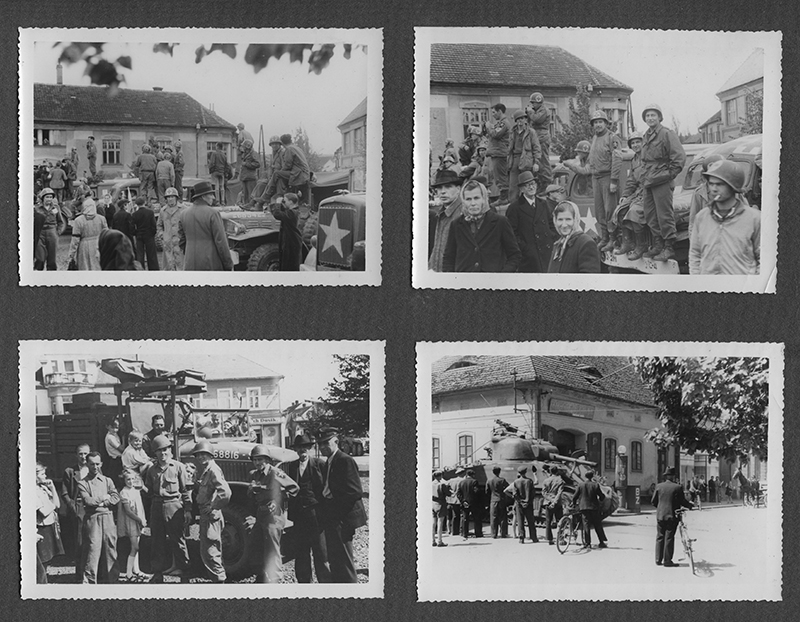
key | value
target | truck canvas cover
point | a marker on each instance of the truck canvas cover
(126, 370)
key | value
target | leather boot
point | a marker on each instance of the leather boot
(668, 252)
(641, 246)
(656, 248)
(607, 243)
(627, 243)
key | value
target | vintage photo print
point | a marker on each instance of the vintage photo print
(201, 469)
(556, 471)
(187, 156)
(596, 159)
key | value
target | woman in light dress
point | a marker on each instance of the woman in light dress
(86, 231)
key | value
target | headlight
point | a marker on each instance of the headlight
(234, 228)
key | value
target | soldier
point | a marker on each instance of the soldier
(267, 488)
(629, 214)
(165, 177)
(580, 163)
(212, 493)
(467, 493)
(270, 181)
(46, 245)
(168, 223)
(99, 495)
(523, 503)
(158, 427)
(179, 164)
(662, 161)
(524, 153)
(588, 497)
(91, 154)
(145, 168)
(294, 174)
(539, 122)
(170, 512)
(248, 170)
(551, 492)
(605, 164)
(495, 488)
(467, 149)
(499, 133)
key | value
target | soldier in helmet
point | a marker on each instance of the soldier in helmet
(165, 177)
(169, 219)
(605, 164)
(524, 153)
(499, 134)
(662, 161)
(212, 493)
(145, 168)
(268, 486)
(629, 215)
(726, 237)
(539, 122)
(46, 243)
(700, 198)
(248, 170)
(170, 512)
(467, 149)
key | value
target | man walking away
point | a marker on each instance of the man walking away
(439, 497)
(551, 491)
(202, 233)
(468, 496)
(667, 498)
(145, 168)
(588, 497)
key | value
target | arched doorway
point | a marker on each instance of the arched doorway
(566, 441)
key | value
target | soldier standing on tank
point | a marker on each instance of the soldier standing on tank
(605, 164)
(524, 153)
(212, 493)
(266, 491)
(495, 489)
(523, 503)
(499, 133)
(539, 122)
(91, 154)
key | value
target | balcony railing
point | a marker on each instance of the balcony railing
(68, 377)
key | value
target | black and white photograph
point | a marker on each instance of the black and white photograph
(599, 471)
(544, 157)
(201, 469)
(165, 152)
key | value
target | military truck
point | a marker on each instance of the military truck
(340, 239)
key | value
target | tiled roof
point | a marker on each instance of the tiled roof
(715, 118)
(357, 112)
(749, 70)
(94, 105)
(618, 378)
(532, 66)
(215, 367)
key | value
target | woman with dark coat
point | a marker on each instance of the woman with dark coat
(480, 240)
(290, 240)
(533, 225)
(116, 251)
(574, 251)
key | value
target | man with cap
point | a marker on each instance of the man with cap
(605, 164)
(157, 428)
(169, 219)
(91, 154)
(170, 511)
(662, 161)
(295, 173)
(46, 244)
(447, 187)
(440, 490)
(667, 498)
(554, 194)
(629, 214)
(202, 233)
(467, 493)
(499, 133)
(524, 153)
(145, 168)
(212, 493)
(308, 537)
(453, 504)
(267, 490)
(179, 163)
(532, 222)
(588, 497)
(552, 488)
(98, 495)
(524, 493)
(495, 490)
(248, 170)
(539, 122)
(342, 506)
(726, 237)
(165, 177)
(266, 187)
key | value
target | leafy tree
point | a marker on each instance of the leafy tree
(579, 127)
(347, 398)
(754, 112)
(110, 72)
(713, 405)
(300, 139)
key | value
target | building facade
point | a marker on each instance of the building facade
(746, 80)
(353, 154)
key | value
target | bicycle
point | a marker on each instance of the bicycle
(569, 531)
(685, 539)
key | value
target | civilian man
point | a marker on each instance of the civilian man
(98, 495)
(202, 233)
(667, 498)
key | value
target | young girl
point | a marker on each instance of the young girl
(130, 521)
(48, 543)
(134, 457)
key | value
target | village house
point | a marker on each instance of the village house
(353, 154)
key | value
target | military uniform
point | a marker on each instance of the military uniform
(171, 499)
(91, 154)
(539, 122)
(523, 153)
(212, 494)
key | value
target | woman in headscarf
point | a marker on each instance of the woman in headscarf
(574, 251)
(480, 240)
(116, 251)
(86, 231)
(48, 544)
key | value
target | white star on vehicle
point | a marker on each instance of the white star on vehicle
(590, 221)
(334, 235)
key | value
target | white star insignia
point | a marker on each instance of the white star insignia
(334, 235)
(590, 221)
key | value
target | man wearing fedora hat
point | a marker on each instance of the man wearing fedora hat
(342, 506)
(447, 186)
(307, 533)
(667, 497)
(202, 233)
(532, 222)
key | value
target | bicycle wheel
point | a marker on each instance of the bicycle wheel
(563, 534)
(686, 541)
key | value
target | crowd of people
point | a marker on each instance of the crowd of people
(541, 231)
(142, 490)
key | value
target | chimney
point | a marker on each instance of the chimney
(59, 74)
(158, 88)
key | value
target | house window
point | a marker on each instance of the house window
(212, 146)
(553, 126)
(437, 453)
(69, 366)
(465, 445)
(112, 151)
(474, 113)
(636, 456)
(48, 137)
(224, 398)
(163, 141)
(82, 365)
(730, 112)
(55, 366)
(349, 140)
(254, 397)
(611, 454)
(359, 139)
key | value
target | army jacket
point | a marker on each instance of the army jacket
(168, 483)
(213, 492)
(270, 485)
(604, 155)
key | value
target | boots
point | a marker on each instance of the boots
(627, 243)
(668, 252)
(656, 248)
(641, 246)
(606, 243)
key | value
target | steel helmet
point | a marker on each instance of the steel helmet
(655, 107)
(520, 114)
(247, 144)
(45, 191)
(599, 114)
(161, 442)
(275, 140)
(537, 98)
(171, 192)
(203, 447)
(475, 130)
(727, 171)
(260, 451)
(714, 157)
(634, 136)
(145, 148)
(583, 146)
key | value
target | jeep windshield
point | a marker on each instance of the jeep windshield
(222, 424)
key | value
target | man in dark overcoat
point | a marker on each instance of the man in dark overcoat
(667, 498)
(588, 497)
(533, 226)
(524, 493)
(495, 489)
(467, 494)
(290, 240)
(202, 233)
(552, 490)
(342, 506)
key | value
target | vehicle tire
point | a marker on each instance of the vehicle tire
(236, 552)
(266, 258)
(563, 536)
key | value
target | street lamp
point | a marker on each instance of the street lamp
(622, 475)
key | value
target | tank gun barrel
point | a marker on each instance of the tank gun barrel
(561, 458)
